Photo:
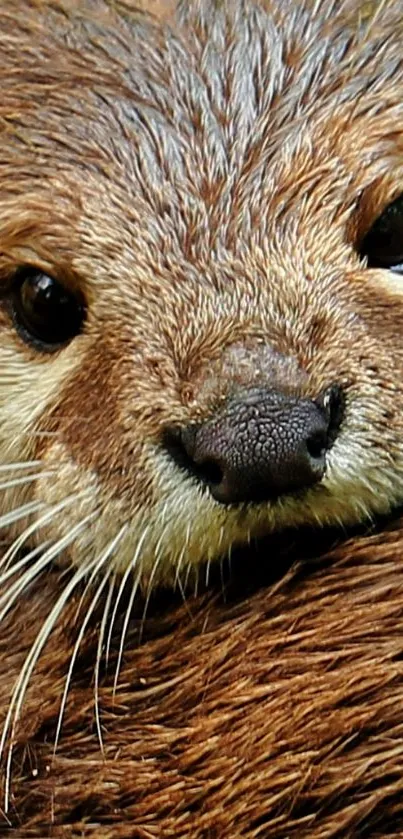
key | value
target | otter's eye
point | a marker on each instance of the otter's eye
(383, 245)
(44, 311)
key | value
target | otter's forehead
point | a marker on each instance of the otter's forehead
(210, 129)
(242, 118)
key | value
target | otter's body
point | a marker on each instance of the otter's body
(276, 714)
(201, 312)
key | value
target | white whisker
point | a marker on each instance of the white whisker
(20, 512)
(96, 565)
(106, 553)
(125, 577)
(178, 581)
(15, 590)
(188, 569)
(123, 582)
(27, 479)
(36, 525)
(182, 588)
(26, 559)
(30, 662)
(124, 632)
(149, 590)
(98, 661)
(182, 591)
(178, 567)
(74, 657)
(11, 467)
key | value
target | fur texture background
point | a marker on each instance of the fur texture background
(275, 714)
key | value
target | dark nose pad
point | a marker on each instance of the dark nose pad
(263, 445)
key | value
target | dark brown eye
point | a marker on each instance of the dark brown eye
(44, 311)
(383, 245)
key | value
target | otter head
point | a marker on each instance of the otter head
(201, 237)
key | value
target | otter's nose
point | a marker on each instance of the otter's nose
(263, 445)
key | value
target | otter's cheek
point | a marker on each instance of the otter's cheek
(69, 495)
(89, 524)
(29, 384)
(29, 387)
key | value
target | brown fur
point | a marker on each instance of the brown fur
(205, 178)
(278, 714)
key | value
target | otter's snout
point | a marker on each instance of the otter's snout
(263, 445)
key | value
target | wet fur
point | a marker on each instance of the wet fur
(240, 196)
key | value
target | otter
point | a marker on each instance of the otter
(200, 310)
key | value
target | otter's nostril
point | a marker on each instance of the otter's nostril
(209, 472)
(317, 445)
(180, 446)
(333, 403)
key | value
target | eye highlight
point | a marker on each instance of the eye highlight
(45, 312)
(383, 244)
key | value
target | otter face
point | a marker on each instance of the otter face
(200, 328)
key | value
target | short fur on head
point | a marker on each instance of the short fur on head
(204, 177)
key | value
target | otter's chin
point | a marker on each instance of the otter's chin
(182, 542)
